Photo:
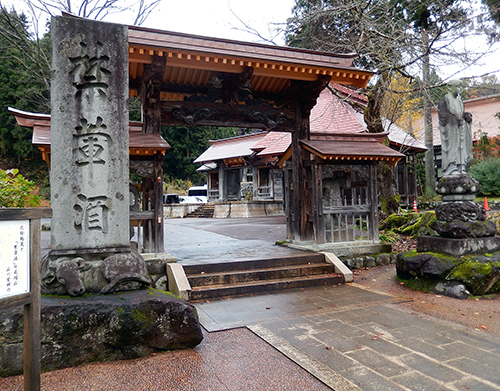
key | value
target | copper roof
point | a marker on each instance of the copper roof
(139, 143)
(192, 59)
(351, 148)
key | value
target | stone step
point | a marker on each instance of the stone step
(262, 275)
(202, 293)
(302, 259)
(238, 276)
(203, 211)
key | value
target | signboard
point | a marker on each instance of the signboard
(14, 258)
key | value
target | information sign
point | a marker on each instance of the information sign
(14, 258)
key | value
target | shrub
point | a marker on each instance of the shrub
(15, 190)
(487, 173)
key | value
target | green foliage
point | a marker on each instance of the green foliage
(15, 190)
(487, 173)
(388, 237)
(411, 224)
(24, 75)
(187, 143)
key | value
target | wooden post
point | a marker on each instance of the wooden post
(30, 300)
(317, 190)
(158, 203)
(372, 189)
(32, 354)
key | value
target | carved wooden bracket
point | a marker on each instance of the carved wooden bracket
(192, 115)
(271, 119)
(144, 168)
(228, 88)
(150, 94)
(306, 92)
(213, 114)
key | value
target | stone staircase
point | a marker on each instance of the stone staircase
(203, 211)
(246, 277)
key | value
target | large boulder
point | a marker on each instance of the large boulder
(118, 326)
(479, 274)
(436, 266)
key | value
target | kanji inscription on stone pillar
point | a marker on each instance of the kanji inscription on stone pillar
(89, 137)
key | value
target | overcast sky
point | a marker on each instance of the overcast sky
(219, 18)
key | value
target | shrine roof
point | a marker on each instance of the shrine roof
(192, 59)
(332, 114)
(234, 147)
(139, 143)
(349, 147)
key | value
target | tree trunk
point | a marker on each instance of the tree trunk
(387, 189)
(430, 179)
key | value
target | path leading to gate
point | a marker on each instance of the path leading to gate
(348, 337)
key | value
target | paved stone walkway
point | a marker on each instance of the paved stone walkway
(346, 336)
(353, 339)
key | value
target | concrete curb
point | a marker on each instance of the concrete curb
(178, 283)
(315, 368)
(339, 266)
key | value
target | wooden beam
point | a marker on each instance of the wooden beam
(150, 94)
(306, 93)
(219, 114)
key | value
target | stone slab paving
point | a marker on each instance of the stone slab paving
(354, 339)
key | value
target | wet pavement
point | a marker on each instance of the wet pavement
(195, 241)
(346, 336)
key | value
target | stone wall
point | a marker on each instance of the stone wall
(248, 209)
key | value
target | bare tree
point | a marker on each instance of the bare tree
(93, 9)
(391, 37)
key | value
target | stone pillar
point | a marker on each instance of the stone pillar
(89, 137)
(90, 244)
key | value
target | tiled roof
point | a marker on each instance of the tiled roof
(240, 146)
(352, 148)
(191, 60)
(41, 132)
(274, 144)
(332, 115)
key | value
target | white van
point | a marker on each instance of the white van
(200, 192)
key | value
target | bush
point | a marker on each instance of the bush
(487, 173)
(15, 190)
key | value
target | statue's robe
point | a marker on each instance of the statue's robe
(456, 135)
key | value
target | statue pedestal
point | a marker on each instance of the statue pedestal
(458, 247)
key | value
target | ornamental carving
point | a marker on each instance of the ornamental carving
(329, 170)
(194, 115)
(144, 168)
(269, 119)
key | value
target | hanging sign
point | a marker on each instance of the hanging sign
(14, 258)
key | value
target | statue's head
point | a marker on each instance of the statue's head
(454, 86)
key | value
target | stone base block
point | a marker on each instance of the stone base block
(343, 249)
(458, 247)
(118, 326)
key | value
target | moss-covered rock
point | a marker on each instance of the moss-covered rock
(481, 274)
(434, 266)
(76, 331)
(410, 224)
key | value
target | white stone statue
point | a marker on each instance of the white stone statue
(456, 134)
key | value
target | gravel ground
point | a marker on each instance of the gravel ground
(229, 360)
